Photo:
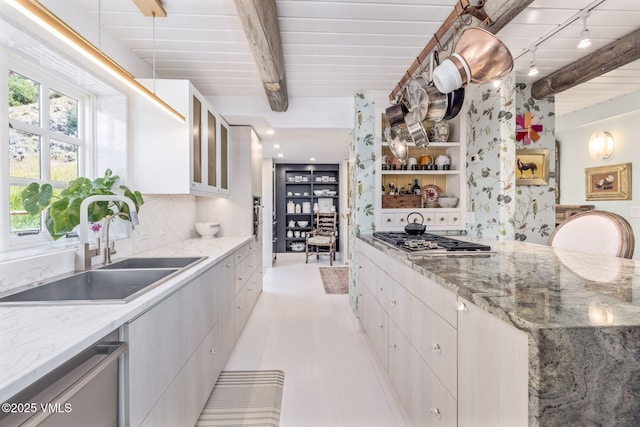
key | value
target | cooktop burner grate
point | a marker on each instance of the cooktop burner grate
(427, 242)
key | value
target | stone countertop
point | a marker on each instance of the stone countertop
(581, 313)
(535, 286)
(36, 339)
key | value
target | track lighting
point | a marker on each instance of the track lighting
(585, 41)
(533, 70)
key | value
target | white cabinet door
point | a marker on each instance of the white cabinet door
(185, 397)
(492, 370)
(161, 341)
(225, 278)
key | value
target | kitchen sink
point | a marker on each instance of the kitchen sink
(136, 263)
(91, 287)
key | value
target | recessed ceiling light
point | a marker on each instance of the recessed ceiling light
(276, 145)
(280, 155)
(270, 132)
(313, 159)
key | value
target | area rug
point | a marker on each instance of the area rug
(244, 398)
(335, 279)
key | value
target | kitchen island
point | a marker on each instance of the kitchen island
(577, 314)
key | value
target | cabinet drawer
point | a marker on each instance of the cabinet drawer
(400, 219)
(435, 296)
(441, 218)
(432, 337)
(454, 218)
(426, 401)
(376, 326)
(388, 219)
(242, 253)
(243, 271)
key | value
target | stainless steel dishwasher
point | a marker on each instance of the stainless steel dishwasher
(81, 392)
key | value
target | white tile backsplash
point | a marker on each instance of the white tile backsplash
(164, 219)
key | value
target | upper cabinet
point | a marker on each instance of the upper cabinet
(435, 173)
(170, 157)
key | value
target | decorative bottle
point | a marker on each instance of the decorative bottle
(416, 188)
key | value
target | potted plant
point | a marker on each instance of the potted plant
(63, 211)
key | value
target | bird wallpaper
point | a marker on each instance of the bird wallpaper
(502, 209)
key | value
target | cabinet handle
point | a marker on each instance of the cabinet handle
(461, 306)
(434, 412)
(428, 219)
(380, 289)
(248, 289)
(455, 218)
(213, 350)
(250, 265)
(239, 256)
(239, 278)
(394, 346)
(436, 347)
(380, 326)
(227, 265)
(441, 218)
(239, 307)
(393, 302)
(388, 219)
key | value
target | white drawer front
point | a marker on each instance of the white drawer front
(454, 218)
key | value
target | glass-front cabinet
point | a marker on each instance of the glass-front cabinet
(173, 157)
(431, 182)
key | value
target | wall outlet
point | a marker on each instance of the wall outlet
(471, 218)
(635, 212)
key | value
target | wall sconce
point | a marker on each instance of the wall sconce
(601, 145)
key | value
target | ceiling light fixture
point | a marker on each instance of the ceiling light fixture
(533, 70)
(280, 155)
(50, 22)
(585, 41)
(313, 159)
(276, 145)
(270, 132)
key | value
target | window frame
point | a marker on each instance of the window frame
(85, 141)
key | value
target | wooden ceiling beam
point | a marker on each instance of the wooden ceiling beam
(501, 12)
(260, 23)
(603, 60)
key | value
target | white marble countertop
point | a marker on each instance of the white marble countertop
(36, 339)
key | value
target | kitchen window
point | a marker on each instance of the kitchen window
(46, 144)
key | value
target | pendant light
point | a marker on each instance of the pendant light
(533, 69)
(50, 22)
(585, 41)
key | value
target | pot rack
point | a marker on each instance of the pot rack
(462, 7)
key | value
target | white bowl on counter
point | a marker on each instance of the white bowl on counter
(207, 230)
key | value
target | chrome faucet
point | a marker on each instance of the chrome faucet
(84, 252)
(110, 247)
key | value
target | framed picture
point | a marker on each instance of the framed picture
(533, 167)
(608, 182)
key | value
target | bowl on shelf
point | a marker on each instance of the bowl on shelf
(447, 201)
(303, 223)
(297, 246)
(332, 193)
(207, 230)
(318, 192)
(296, 194)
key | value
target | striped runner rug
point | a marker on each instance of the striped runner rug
(244, 398)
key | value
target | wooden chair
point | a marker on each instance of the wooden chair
(597, 232)
(323, 236)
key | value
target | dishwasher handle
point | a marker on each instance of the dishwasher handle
(113, 350)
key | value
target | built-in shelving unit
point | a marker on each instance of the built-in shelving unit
(392, 211)
(298, 188)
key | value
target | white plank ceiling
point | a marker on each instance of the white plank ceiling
(339, 47)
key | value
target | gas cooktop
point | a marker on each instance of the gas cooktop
(428, 242)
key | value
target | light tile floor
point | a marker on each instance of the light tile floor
(331, 376)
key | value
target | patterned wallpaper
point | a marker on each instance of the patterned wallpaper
(502, 209)
(491, 158)
(534, 216)
(362, 160)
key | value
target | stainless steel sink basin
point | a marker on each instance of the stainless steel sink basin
(132, 263)
(91, 287)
